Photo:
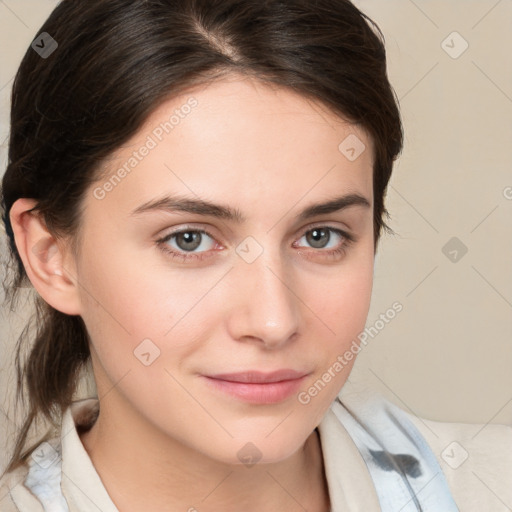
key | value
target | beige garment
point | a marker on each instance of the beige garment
(482, 482)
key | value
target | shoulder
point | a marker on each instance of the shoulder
(35, 486)
(14, 496)
(476, 460)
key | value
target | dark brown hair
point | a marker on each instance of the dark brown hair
(116, 62)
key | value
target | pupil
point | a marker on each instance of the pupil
(318, 234)
(192, 240)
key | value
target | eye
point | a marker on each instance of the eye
(319, 238)
(187, 241)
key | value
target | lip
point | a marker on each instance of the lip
(258, 377)
(258, 387)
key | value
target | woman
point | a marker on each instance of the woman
(263, 135)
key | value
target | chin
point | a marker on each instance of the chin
(262, 449)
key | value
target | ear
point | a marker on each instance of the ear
(48, 262)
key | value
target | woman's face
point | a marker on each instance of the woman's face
(261, 289)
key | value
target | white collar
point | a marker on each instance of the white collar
(367, 446)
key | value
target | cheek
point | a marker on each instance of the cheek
(342, 298)
(128, 300)
(343, 307)
(341, 304)
(138, 296)
(133, 307)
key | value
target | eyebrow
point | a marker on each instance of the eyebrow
(207, 208)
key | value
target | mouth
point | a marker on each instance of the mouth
(258, 387)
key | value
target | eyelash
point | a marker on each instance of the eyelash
(183, 256)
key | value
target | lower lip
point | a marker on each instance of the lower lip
(269, 393)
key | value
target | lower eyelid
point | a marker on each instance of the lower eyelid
(204, 254)
(342, 234)
(173, 235)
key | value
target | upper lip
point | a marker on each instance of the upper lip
(258, 377)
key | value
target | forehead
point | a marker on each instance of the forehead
(239, 140)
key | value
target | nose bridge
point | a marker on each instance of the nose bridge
(266, 307)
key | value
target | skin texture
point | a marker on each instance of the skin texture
(165, 440)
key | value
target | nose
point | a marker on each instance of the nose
(265, 306)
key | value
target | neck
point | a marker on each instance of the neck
(142, 468)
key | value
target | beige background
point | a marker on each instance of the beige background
(448, 354)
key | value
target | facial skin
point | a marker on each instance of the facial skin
(269, 153)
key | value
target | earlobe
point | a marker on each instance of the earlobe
(45, 258)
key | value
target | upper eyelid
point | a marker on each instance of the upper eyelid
(343, 232)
